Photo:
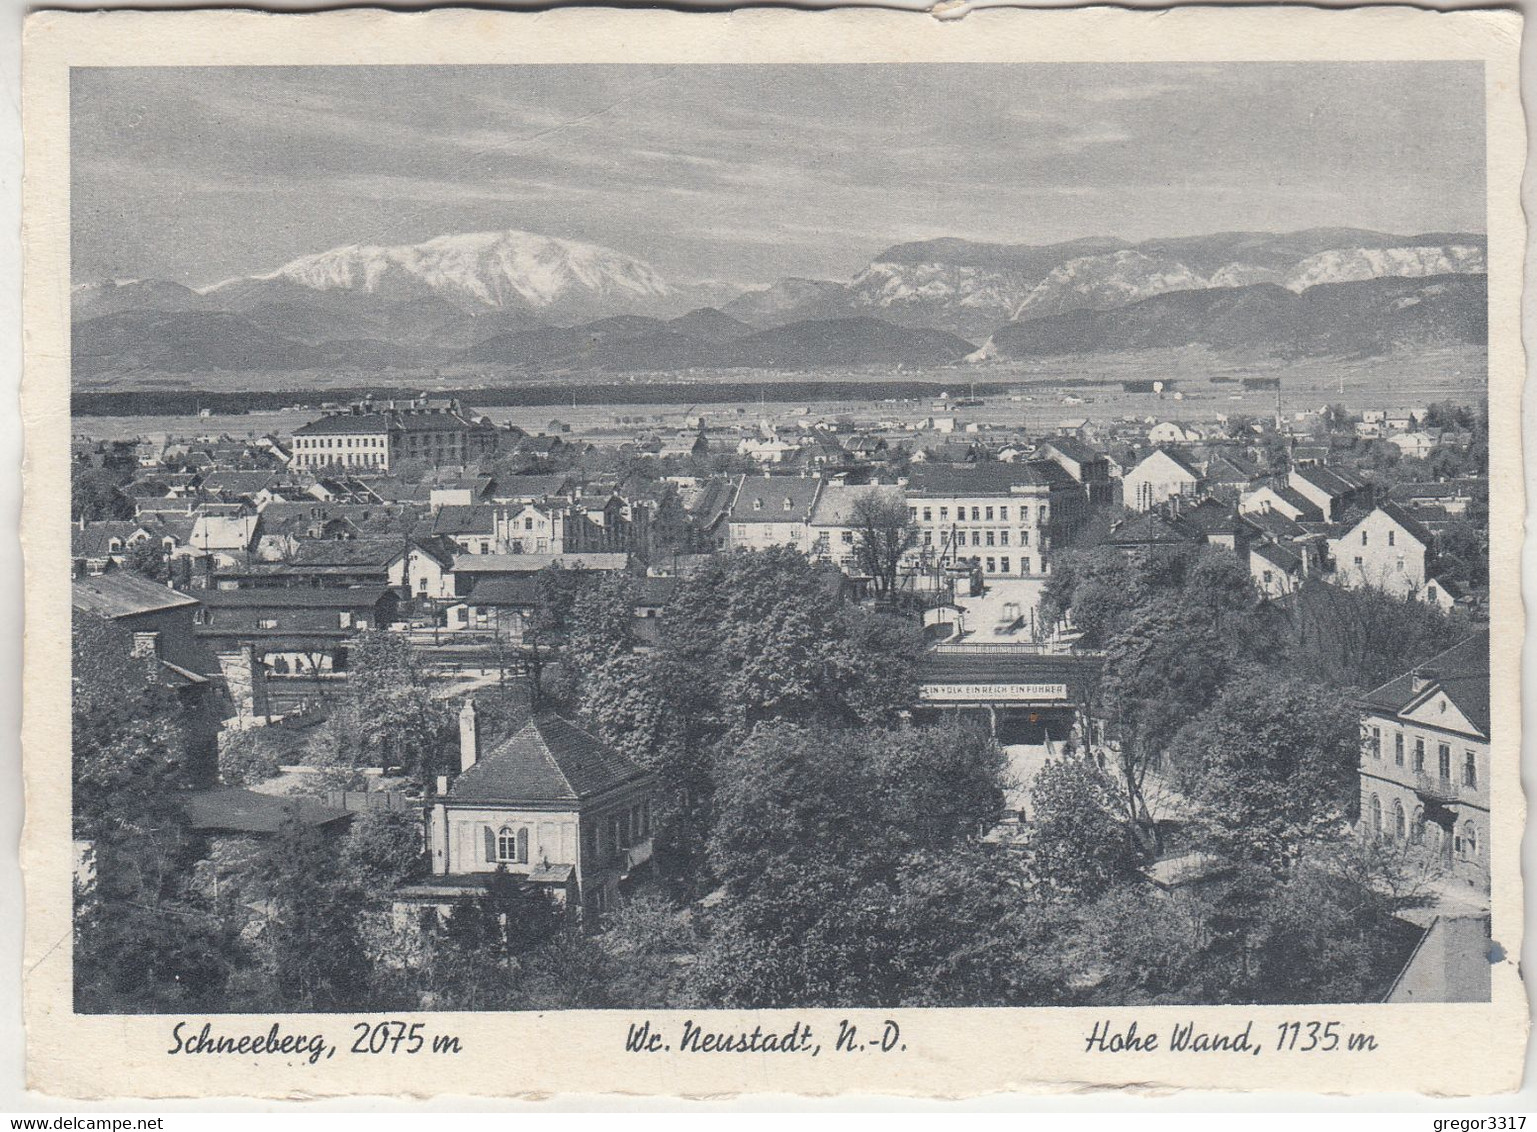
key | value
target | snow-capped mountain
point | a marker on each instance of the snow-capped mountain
(505, 269)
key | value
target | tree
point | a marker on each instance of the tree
(602, 621)
(1080, 843)
(400, 722)
(1362, 637)
(1273, 764)
(821, 836)
(652, 945)
(1100, 588)
(883, 533)
(94, 495)
(316, 953)
(382, 850)
(1162, 669)
(148, 558)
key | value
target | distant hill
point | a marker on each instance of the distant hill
(1372, 316)
(182, 342)
(790, 300)
(710, 325)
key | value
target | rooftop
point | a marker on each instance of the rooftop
(1461, 672)
(549, 759)
(120, 594)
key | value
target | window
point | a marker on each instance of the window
(1469, 769)
(1003, 564)
(1003, 538)
(1024, 538)
(989, 514)
(788, 504)
(1363, 538)
(1419, 756)
(1444, 760)
(928, 514)
(944, 513)
(847, 537)
(928, 538)
(1470, 841)
(1003, 514)
(1374, 744)
(506, 846)
(912, 514)
(990, 538)
(528, 524)
(1399, 825)
(267, 623)
(976, 538)
(1268, 577)
(346, 619)
(421, 584)
(992, 566)
(1376, 812)
(1358, 561)
(1024, 565)
(1417, 826)
(1398, 748)
(976, 516)
(1392, 537)
(757, 505)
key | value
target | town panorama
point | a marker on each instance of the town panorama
(590, 541)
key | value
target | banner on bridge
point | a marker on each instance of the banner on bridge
(993, 693)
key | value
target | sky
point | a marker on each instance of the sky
(751, 173)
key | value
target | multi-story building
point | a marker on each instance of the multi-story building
(1004, 518)
(1425, 760)
(378, 435)
(770, 511)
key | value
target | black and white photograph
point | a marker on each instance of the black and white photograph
(659, 537)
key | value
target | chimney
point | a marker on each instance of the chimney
(469, 736)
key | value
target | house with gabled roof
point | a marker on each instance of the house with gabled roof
(1334, 491)
(552, 804)
(1385, 549)
(1282, 500)
(1160, 476)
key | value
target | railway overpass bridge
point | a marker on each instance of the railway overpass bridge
(1024, 694)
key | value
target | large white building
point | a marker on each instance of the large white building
(1003, 517)
(1425, 760)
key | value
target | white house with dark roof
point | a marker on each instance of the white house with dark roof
(1386, 549)
(1160, 476)
(551, 804)
(1332, 490)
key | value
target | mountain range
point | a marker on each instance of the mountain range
(521, 300)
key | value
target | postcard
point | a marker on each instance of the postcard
(673, 554)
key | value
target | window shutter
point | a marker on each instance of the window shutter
(523, 846)
(490, 836)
